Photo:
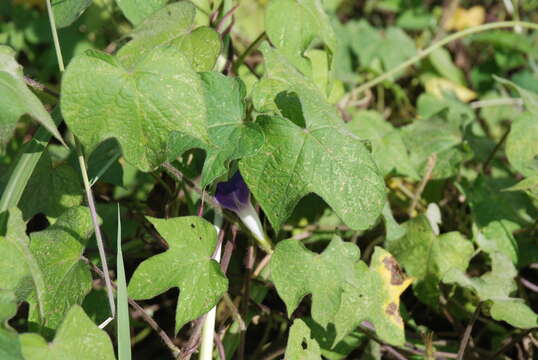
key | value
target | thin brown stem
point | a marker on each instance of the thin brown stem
(467, 334)
(220, 347)
(38, 86)
(511, 343)
(261, 265)
(487, 163)
(249, 265)
(427, 176)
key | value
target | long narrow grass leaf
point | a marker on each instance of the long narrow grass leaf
(124, 333)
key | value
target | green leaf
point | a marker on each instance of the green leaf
(18, 268)
(58, 250)
(22, 169)
(514, 312)
(67, 11)
(229, 137)
(497, 284)
(522, 144)
(139, 107)
(344, 291)
(304, 21)
(313, 152)
(496, 287)
(187, 264)
(528, 185)
(389, 47)
(428, 257)
(300, 344)
(428, 136)
(137, 10)
(173, 25)
(297, 272)
(51, 190)
(202, 47)
(8, 306)
(340, 350)
(77, 338)
(388, 148)
(495, 224)
(17, 100)
(393, 230)
(442, 62)
(10, 346)
(530, 99)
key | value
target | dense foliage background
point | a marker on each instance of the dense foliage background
(390, 148)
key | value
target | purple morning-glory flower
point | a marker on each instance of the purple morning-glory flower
(235, 196)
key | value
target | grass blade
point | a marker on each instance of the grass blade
(123, 329)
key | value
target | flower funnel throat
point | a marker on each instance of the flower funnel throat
(235, 196)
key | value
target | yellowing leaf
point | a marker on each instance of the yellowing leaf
(437, 86)
(465, 18)
(394, 281)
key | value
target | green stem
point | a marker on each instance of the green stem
(424, 53)
(55, 37)
(97, 230)
(86, 182)
(251, 47)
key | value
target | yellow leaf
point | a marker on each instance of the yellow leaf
(394, 280)
(465, 18)
(436, 86)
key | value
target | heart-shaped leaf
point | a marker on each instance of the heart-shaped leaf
(139, 107)
(187, 264)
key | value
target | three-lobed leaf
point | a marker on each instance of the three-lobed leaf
(344, 290)
(307, 149)
(187, 264)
